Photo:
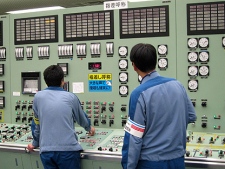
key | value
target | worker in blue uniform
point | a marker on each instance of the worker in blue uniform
(159, 112)
(55, 112)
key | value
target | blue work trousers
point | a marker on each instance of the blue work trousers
(177, 163)
(61, 159)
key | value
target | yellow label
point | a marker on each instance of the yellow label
(106, 76)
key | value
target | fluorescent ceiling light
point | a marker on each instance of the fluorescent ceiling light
(35, 10)
(138, 0)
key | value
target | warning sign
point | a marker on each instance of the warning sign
(100, 82)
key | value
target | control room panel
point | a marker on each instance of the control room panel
(92, 45)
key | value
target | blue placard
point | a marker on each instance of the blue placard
(100, 85)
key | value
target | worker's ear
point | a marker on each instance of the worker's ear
(62, 82)
(134, 66)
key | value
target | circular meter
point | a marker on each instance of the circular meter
(192, 56)
(162, 49)
(204, 56)
(123, 64)
(203, 70)
(192, 84)
(192, 70)
(192, 43)
(223, 41)
(123, 90)
(162, 63)
(123, 77)
(123, 50)
(203, 42)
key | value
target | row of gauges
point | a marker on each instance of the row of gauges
(195, 42)
(123, 76)
(162, 50)
(198, 70)
(201, 42)
(203, 56)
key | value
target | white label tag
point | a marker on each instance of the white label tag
(134, 129)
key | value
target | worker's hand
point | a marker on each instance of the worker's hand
(30, 147)
(92, 131)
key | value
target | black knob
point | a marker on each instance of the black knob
(123, 109)
(187, 153)
(17, 107)
(103, 121)
(103, 109)
(188, 138)
(100, 148)
(111, 149)
(123, 122)
(111, 122)
(111, 109)
(204, 104)
(204, 125)
(96, 122)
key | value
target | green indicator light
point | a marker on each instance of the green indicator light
(214, 127)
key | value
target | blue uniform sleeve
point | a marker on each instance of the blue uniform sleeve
(35, 127)
(132, 143)
(191, 112)
(190, 108)
(80, 116)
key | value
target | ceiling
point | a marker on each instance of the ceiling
(12, 5)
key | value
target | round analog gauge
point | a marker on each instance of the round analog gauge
(192, 43)
(123, 64)
(162, 63)
(192, 56)
(223, 41)
(162, 49)
(203, 42)
(203, 70)
(204, 56)
(123, 50)
(192, 70)
(193, 84)
(123, 90)
(123, 77)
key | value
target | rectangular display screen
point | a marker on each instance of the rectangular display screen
(30, 86)
(94, 65)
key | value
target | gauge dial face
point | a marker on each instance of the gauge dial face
(192, 43)
(123, 90)
(192, 56)
(123, 77)
(203, 56)
(203, 70)
(123, 64)
(203, 42)
(193, 84)
(162, 49)
(223, 41)
(192, 70)
(163, 63)
(123, 50)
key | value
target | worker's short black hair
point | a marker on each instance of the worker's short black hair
(53, 75)
(144, 57)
